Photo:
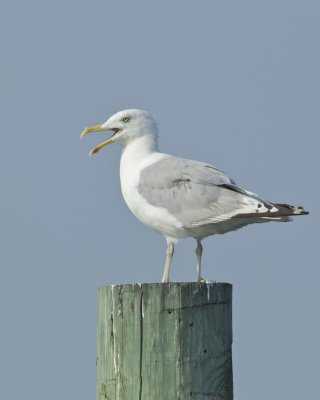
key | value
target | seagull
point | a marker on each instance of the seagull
(177, 197)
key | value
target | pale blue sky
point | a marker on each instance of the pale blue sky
(235, 84)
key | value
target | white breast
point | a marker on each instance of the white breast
(133, 160)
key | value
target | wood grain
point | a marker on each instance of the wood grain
(165, 342)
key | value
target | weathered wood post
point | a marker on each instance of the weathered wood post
(165, 342)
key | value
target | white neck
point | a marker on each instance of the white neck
(136, 151)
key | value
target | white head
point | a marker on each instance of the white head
(126, 125)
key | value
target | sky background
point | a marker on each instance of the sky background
(235, 84)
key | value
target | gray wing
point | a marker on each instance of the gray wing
(195, 193)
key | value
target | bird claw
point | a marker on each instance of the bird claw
(204, 280)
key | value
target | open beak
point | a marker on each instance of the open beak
(98, 128)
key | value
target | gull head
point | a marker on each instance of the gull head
(126, 126)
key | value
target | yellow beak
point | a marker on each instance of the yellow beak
(96, 128)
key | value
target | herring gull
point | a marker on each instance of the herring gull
(180, 198)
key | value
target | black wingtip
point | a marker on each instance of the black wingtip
(294, 210)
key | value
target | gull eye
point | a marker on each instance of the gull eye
(126, 119)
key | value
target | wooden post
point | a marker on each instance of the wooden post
(165, 342)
